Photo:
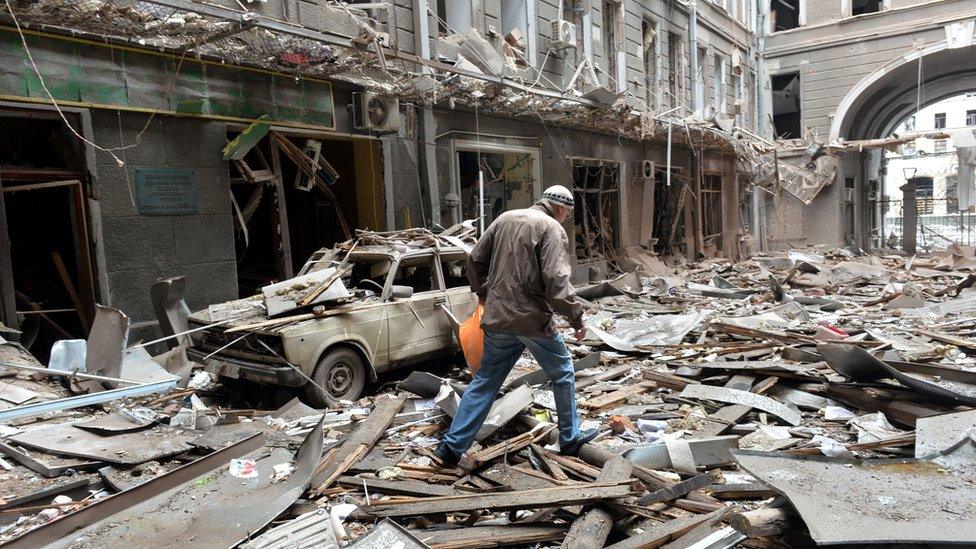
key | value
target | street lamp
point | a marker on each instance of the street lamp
(909, 173)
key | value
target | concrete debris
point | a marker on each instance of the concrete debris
(722, 374)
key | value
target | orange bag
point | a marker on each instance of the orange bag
(472, 340)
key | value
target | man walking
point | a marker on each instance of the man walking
(520, 272)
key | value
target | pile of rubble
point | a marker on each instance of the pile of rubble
(815, 395)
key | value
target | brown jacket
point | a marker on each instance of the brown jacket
(519, 267)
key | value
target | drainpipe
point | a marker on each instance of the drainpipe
(427, 148)
(696, 98)
(758, 199)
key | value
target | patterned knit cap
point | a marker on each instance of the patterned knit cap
(557, 195)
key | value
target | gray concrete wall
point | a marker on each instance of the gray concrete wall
(139, 249)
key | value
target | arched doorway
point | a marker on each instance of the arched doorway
(875, 108)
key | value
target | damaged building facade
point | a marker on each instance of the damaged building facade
(843, 76)
(227, 146)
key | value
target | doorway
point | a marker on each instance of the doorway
(596, 216)
(47, 286)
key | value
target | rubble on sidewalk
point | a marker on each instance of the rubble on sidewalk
(769, 402)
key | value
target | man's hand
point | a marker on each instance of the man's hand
(580, 333)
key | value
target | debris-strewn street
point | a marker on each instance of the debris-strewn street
(817, 394)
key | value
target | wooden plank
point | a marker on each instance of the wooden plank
(656, 535)
(591, 529)
(415, 488)
(678, 489)
(610, 400)
(69, 286)
(357, 445)
(605, 376)
(752, 490)
(722, 420)
(490, 536)
(282, 238)
(556, 496)
(8, 301)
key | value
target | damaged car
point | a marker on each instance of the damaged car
(353, 312)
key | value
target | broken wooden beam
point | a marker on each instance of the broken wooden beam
(764, 522)
(416, 488)
(357, 445)
(679, 489)
(490, 536)
(591, 529)
(556, 496)
(656, 535)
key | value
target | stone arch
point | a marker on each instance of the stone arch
(880, 100)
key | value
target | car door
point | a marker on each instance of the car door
(460, 299)
(417, 323)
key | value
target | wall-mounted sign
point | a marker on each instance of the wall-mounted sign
(167, 191)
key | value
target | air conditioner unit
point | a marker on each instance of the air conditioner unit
(647, 169)
(376, 113)
(563, 35)
(313, 150)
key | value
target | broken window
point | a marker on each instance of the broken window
(651, 64)
(739, 106)
(719, 85)
(453, 269)
(416, 272)
(785, 14)
(909, 125)
(786, 105)
(940, 120)
(675, 48)
(516, 27)
(711, 208)
(860, 7)
(596, 215)
(940, 145)
(453, 16)
(509, 180)
(971, 118)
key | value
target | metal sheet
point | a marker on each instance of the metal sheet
(106, 342)
(125, 448)
(196, 512)
(62, 528)
(733, 396)
(707, 452)
(875, 501)
(856, 363)
(114, 423)
(311, 530)
(282, 297)
(16, 395)
(937, 433)
(387, 534)
(46, 464)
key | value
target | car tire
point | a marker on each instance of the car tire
(341, 373)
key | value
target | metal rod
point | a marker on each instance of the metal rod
(84, 400)
(66, 373)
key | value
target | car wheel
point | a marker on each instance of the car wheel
(341, 373)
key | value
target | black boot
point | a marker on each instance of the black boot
(584, 436)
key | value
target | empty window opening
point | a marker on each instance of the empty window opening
(860, 7)
(699, 89)
(711, 208)
(612, 34)
(786, 105)
(596, 215)
(509, 182)
(50, 290)
(939, 120)
(651, 64)
(453, 16)
(674, 75)
(940, 145)
(971, 118)
(417, 273)
(454, 270)
(785, 14)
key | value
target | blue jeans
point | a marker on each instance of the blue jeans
(501, 353)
